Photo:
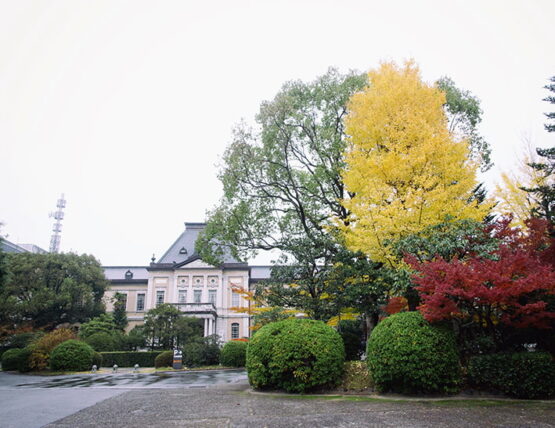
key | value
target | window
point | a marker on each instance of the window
(235, 299)
(140, 302)
(182, 296)
(159, 297)
(198, 296)
(212, 296)
(235, 330)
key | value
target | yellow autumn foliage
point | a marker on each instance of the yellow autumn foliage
(512, 199)
(405, 170)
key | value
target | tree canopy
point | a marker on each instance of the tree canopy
(404, 169)
(45, 290)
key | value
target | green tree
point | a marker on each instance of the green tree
(187, 330)
(103, 323)
(46, 290)
(544, 193)
(550, 127)
(159, 326)
(136, 338)
(282, 185)
(464, 115)
(166, 328)
(120, 313)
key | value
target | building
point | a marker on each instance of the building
(10, 247)
(196, 288)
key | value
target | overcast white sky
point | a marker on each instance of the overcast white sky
(126, 106)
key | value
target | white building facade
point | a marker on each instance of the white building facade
(196, 288)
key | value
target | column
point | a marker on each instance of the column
(209, 326)
(205, 327)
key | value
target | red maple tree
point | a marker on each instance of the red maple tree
(512, 287)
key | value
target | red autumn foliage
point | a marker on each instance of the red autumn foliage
(395, 305)
(510, 288)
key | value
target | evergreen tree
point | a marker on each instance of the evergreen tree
(544, 194)
(120, 315)
(550, 127)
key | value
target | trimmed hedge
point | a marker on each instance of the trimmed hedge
(296, 355)
(408, 355)
(97, 359)
(521, 375)
(72, 355)
(234, 354)
(165, 359)
(129, 359)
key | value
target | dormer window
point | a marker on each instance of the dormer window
(183, 250)
(128, 274)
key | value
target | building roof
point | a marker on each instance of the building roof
(10, 247)
(260, 272)
(117, 273)
(183, 249)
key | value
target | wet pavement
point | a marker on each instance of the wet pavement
(28, 401)
(194, 379)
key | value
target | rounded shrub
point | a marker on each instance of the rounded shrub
(72, 355)
(102, 342)
(234, 354)
(165, 359)
(10, 359)
(408, 355)
(296, 355)
(24, 363)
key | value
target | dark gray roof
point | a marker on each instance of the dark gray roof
(113, 273)
(184, 247)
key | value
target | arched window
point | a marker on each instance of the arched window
(235, 330)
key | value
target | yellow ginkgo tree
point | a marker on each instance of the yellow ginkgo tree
(512, 199)
(404, 171)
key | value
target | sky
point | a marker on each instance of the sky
(127, 106)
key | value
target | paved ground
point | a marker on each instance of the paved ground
(225, 401)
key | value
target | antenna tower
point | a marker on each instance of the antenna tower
(57, 227)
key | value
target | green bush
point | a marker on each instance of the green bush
(10, 359)
(521, 375)
(296, 355)
(17, 359)
(234, 354)
(129, 359)
(201, 352)
(72, 355)
(408, 355)
(102, 342)
(25, 359)
(165, 359)
(356, 377)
